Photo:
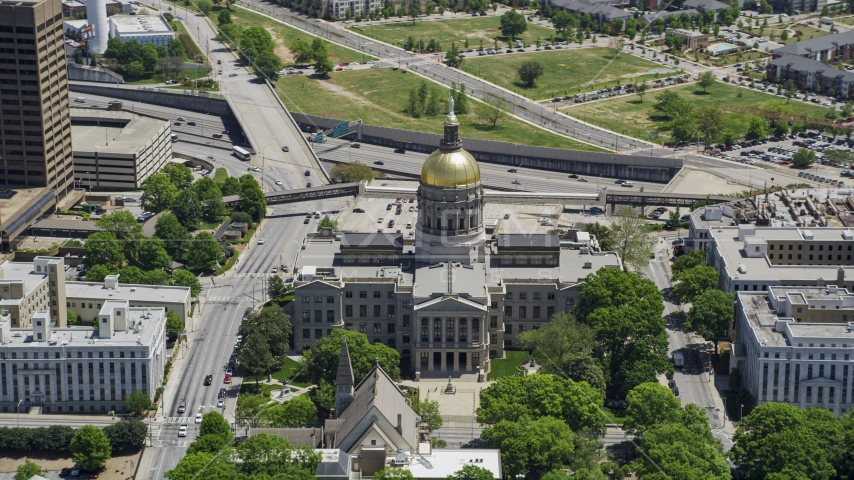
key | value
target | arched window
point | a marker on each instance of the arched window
(437, 329)
(536, 260)
(521, 260)
(378, 259)
(449, 330)
(349, 258)
(364, 259)
(425, 329)
(463, 330)
(393, 259)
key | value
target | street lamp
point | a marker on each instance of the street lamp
(19, 412)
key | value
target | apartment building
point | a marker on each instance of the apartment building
(36, 133)
(795, 345)
(82, 369)
(809, 74)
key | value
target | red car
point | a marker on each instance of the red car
(89, 475)
(657, 85)
(344, 64)
(680, 80)
(339, 69)
(217, 135)
(227, 378)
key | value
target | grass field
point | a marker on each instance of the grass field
(158, 77)
(566, 71)
(473, 29)
(508, 366)
(378, 96)
(287, 372)
(220, 175)
(629, 116)
(187, 41)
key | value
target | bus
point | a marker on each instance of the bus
(241, 153)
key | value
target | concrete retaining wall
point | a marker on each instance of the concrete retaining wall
(632, 167)
(180, 99)
(87, 74)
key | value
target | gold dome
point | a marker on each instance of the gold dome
(450, 169)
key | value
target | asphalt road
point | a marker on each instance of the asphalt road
(693, 382)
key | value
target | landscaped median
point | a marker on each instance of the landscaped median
(380, 96)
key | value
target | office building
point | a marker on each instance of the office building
(117, 149)
(795, 344)
(153, 29)
(29, 287)
(82, 369)
(36, 134)
(444, 295)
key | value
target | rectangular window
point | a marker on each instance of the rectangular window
(536, 312)
(536, 295)
(363, 294)
(390, 327)
(306, 333)
(348, 294)
(348, 310)
(523, 312)
(523, 295)
(318, 299)
(330, 316)
(330, 299)
(363, 328)
(508, 329)
(377, 295)
(377, 310)
(363, 311)
(508, 311)
(390, 310)
(406, 321)
(318, 316)
(378, 328)
(318, 333)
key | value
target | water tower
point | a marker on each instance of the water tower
(96, 12)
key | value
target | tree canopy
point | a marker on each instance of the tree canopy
(322, 361)
(630, 239)
(90, 447)
(695, 281)
(711, 314)
(513, 24)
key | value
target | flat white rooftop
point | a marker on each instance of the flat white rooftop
(21, 271)
(135, 293)
(140, 24)
(147, 323)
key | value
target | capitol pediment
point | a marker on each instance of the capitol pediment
(451, 303)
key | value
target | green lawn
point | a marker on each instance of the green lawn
(477, 30)
(566, 71)
(220, 175)
(626, 114)
(614, 415)
(287, 372)
(191, 73)
(505, 367)
(189, 45)
(378, 97)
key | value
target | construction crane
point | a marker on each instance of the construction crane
(777, 115)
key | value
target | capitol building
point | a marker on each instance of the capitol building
(455, 287)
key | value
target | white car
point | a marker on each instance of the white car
(627, 184)
(278, 182)
(274, 269)
(198, 418)
(261, 241)
(182, 432)
(256, 169)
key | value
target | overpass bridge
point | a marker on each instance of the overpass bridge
(305, 194)
(659, 199)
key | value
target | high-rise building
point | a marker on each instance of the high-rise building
(36, 133)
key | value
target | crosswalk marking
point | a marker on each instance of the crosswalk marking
(224, 299)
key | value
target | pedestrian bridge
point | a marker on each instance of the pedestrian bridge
(305, 194)
(659, 199)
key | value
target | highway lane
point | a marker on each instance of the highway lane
(206, 124)
(493, 175)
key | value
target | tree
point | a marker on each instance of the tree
(184, 278)
(695, 281)
(640, 89)
(137, 402)
(276, 287)
(175, 236)
(270, 323)
(158, 193)
(27, 470)
(256, 40)
(602, 234)
(204, 6)
(706, 80)
(103, 249)
(205, 251)
(179, 175)
(461, 100)
(224, 17)
(207, 444)
(174, 325)
(267, 65)
(624, 312)
(127, 435)
(513, 24)
(265, 455)
(205, 465)
(542, 395)
(562, 20)
(122, 224)
(71, 318)
(135, 69)
(255, 356)
(322, 64)
(630, 238)
(471, 472)
(294, 413)
(215, 424)
(710, 123)
(90, 447)
(188, 209)
(494, 110)
(393, 473)
(711, 314)
(686, 262)
(803, 158)
(538, 446)
(778, 441)
(321, 362)
(252, 199)
(176, 49)
(97, 273)
(302, 52)
(564, 347)
(153, 255)
(428, 410)
(149, 58)
(530, 71)
(674, 451)
(650, 404)
(452, 56)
